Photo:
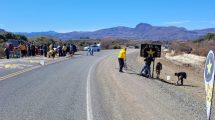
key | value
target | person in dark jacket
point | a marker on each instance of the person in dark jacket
(7, 52)
(72, 49)
(33, 50)
(181, 76)
(45, 50)
(146, 70)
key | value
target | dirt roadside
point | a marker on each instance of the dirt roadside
(127, 96)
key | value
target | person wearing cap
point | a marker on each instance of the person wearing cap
(122, 59)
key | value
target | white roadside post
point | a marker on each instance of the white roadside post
(42, 62)
(209, 81)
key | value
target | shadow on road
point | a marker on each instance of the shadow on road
(78, 54)
(162, 80)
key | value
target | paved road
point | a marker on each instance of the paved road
(15, 65)
(54, 92)
(91, 88)
(128, 96)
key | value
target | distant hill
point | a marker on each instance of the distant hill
(39, 34)
(5, 36)
(2, 30)
(141, 31)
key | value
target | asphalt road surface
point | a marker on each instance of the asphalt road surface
(91, 88)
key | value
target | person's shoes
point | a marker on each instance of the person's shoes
(121, 71)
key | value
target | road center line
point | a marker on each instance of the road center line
(27, 69)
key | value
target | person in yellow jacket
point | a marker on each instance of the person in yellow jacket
(122, 59)
(22, 47)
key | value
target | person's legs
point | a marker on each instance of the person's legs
(157, 71)
(182, 81)
(8, 55)
(87, 52)
(148, 71)
(91, 52)
(33, 52)
(22, 53)
(121, 64)
(178, 82)
(45, 53)
(143, 69)
(25, 53)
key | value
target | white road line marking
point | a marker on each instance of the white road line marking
(26, 70)
(88, 90)
(17, 73)
(89, 107)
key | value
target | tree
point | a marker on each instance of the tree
(2, 38)
(210, 36)
(21, 37)
(9, 35)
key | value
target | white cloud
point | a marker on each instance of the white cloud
(177, 22)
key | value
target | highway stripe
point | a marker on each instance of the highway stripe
(17, 73)
(89, 107)
(28, 69)
(88, 89)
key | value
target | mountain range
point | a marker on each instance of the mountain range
(142, 31)
(2, 30)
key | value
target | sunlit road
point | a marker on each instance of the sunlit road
(91, 88)
(59, 91)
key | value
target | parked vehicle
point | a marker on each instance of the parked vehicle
(96, 47)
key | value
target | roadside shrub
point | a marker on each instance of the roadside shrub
(116, 47)
(181, 47)
(1, 51)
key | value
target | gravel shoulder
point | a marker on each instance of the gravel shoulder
(127, 96)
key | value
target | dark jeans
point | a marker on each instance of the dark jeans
(45, 53)
(33, 52)
(7, 55)
(22, 53)
(121, 64)
(91, 52)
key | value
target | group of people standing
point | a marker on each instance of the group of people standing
(30, 49)
(62, 50)
(25, 49)
(146, 69)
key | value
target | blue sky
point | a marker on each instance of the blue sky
(89, 15)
